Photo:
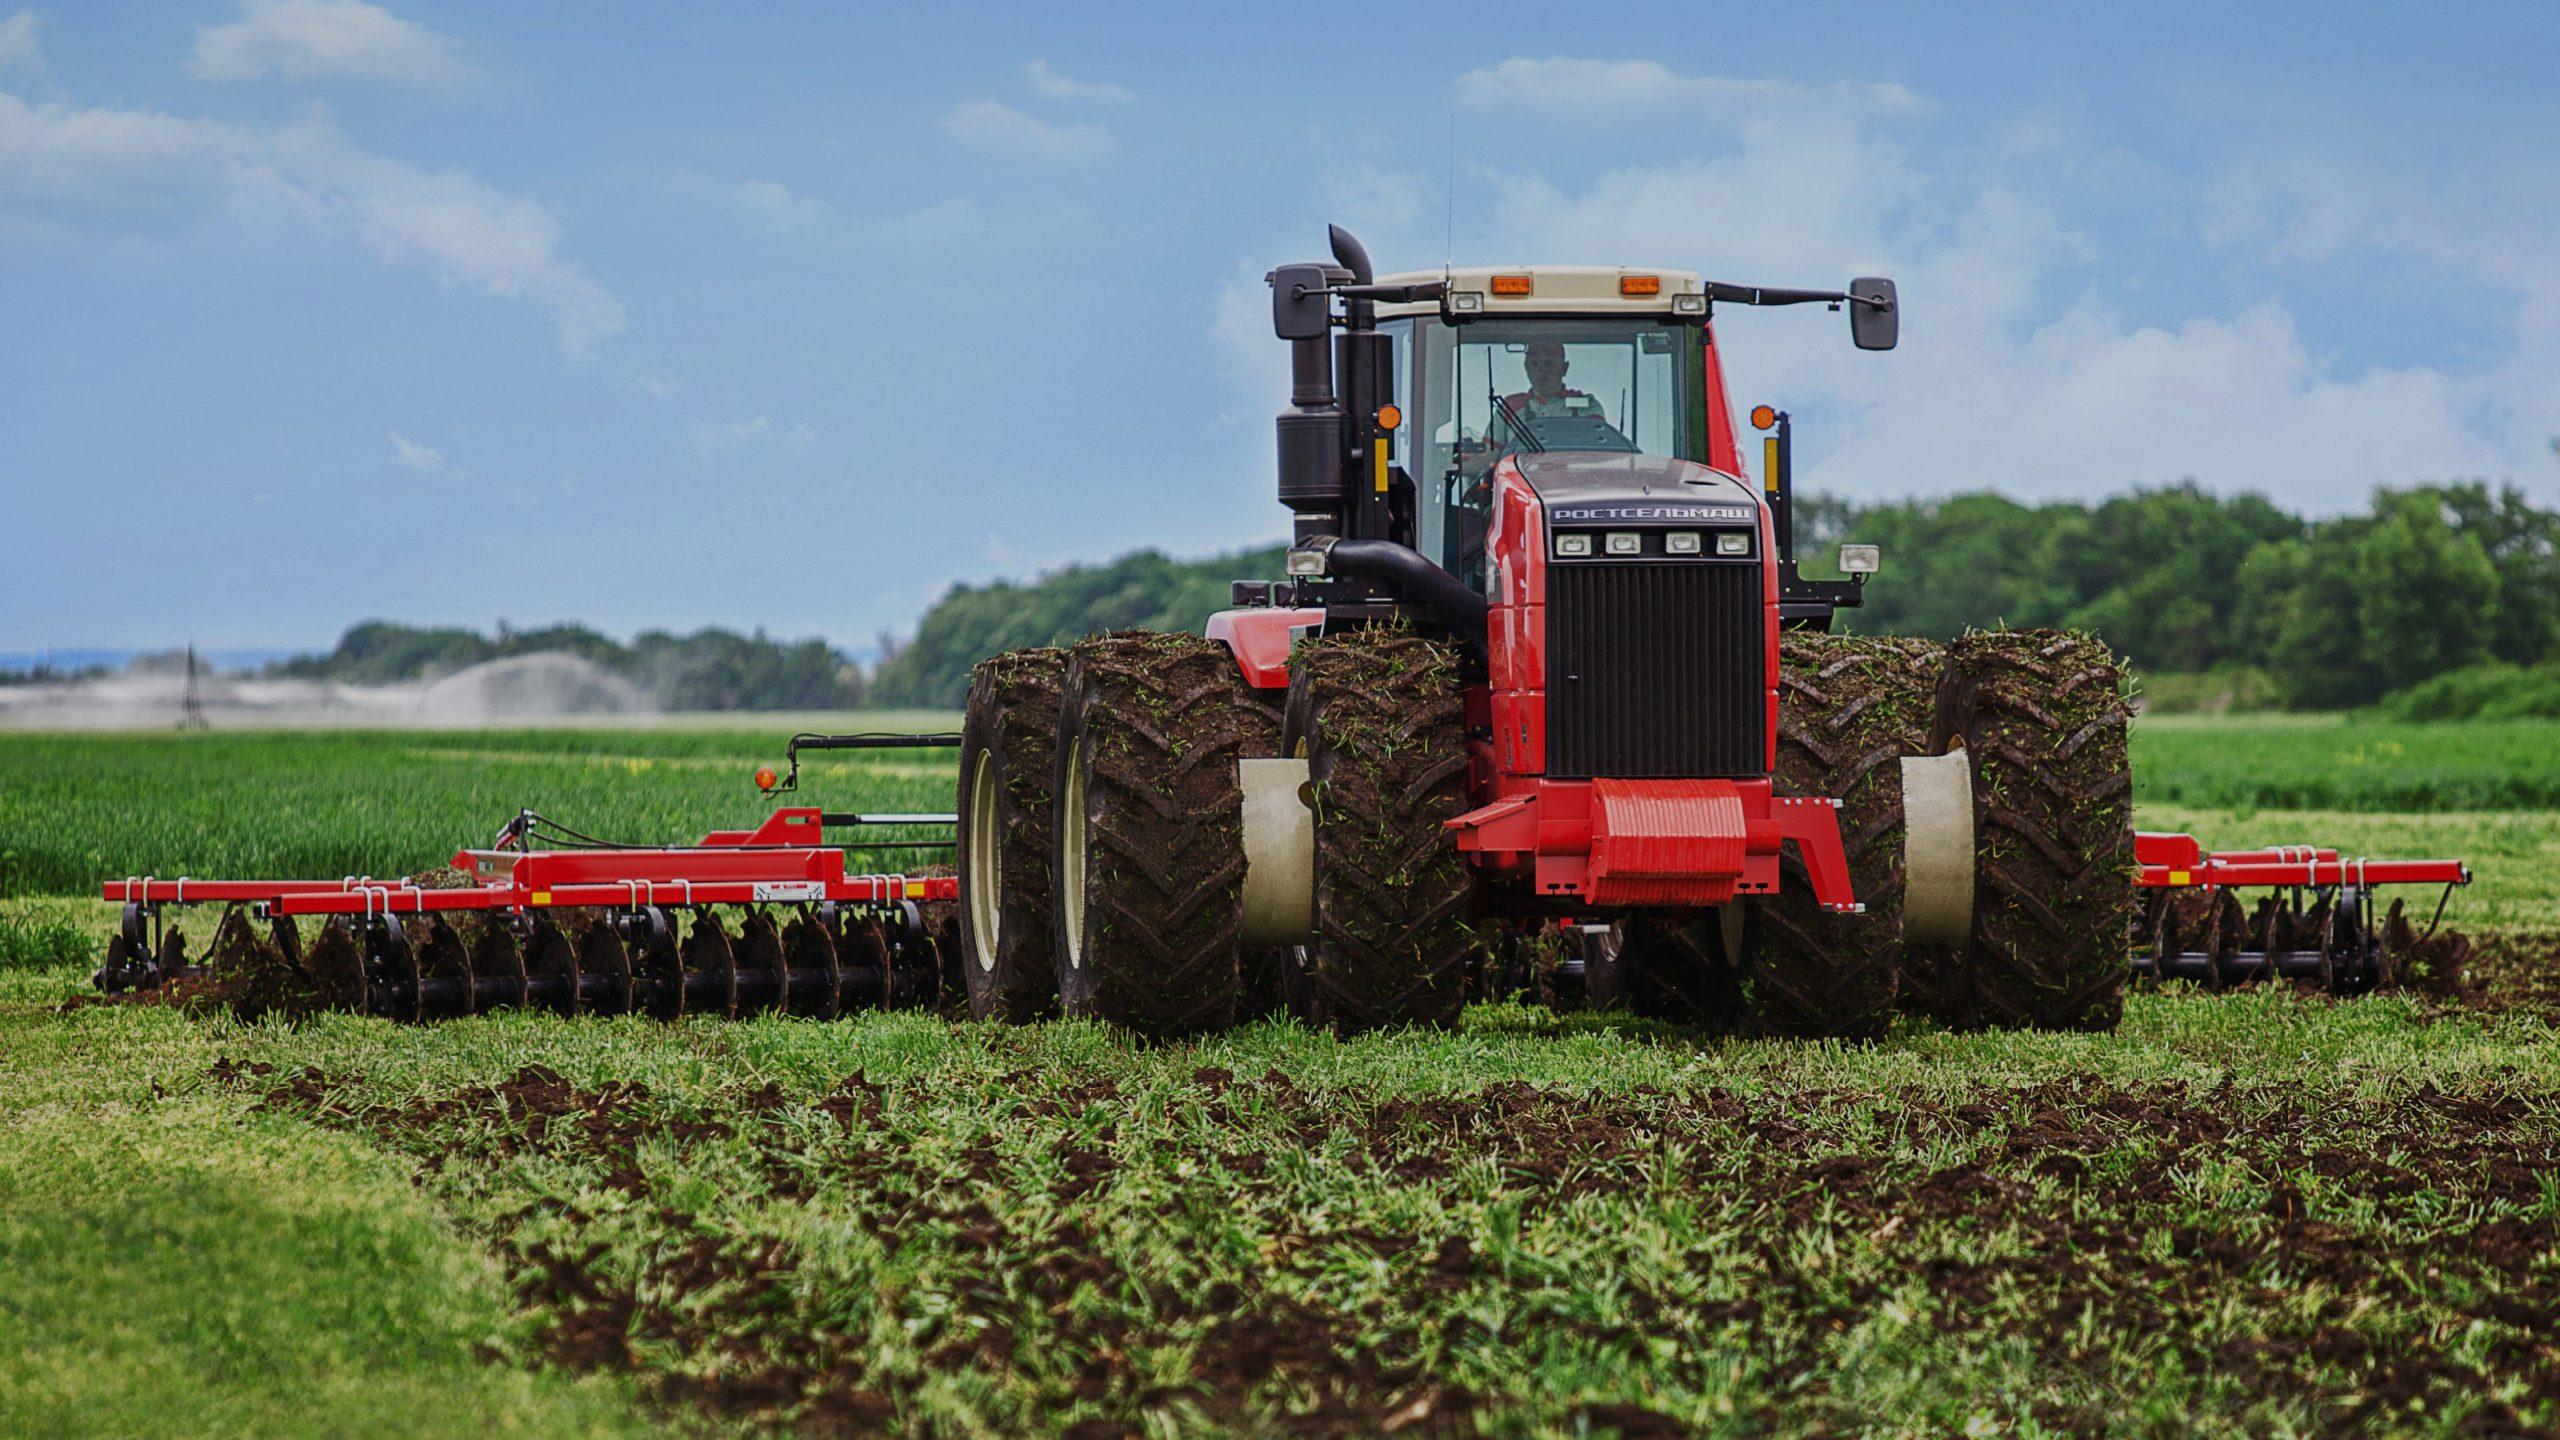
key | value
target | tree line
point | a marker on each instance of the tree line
(2212, 598)
(2432, 599)
(2339, 611)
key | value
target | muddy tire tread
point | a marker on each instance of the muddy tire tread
(1383, 719)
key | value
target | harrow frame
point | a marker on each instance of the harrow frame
(587, 926)
(2333, 939)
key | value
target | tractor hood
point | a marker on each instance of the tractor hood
(1609, 487)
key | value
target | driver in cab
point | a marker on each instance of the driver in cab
(1546, 396)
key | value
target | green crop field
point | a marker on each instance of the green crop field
(2263, 1213)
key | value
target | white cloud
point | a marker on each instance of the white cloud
(998, 129)
(939, 223)
(470, 233)
(1048, 84)
(324, 39)
(758, 430)
(656, 387)
(408, 454)
(2013, 374)
(18, 41)
(775, 202)
(1613, 89)
(1995, 386)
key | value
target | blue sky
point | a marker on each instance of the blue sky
(791, 315)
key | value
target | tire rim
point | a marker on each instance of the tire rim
(986, 912)
(1071, 855)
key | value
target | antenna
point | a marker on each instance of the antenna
(1449, 235)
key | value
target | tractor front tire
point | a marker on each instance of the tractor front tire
(1150, 833)
(1849, 709)
(1379, 716)
(2043, 720)
(1008, 761)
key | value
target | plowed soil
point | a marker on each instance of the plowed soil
(1099, 1254)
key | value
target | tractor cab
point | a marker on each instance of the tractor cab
(1555, 360)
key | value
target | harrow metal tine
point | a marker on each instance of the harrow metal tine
(287, 938)
(711, 967)
(551, 970)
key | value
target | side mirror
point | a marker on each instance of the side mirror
(1875, 318)
(1301, 306)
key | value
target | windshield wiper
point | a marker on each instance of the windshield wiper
(1519, 426)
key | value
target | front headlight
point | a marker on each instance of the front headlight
(1573, 544)
(1681, 542)
(1625, 542)
(1733, 542)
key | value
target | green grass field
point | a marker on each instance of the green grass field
(2256, 1214)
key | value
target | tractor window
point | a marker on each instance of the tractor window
(1491, 388)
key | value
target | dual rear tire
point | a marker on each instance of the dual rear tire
(1102, 838)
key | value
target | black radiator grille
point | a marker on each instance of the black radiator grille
(1654, 671)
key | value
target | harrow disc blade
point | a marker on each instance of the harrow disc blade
(657, 971)
(815, 982)
(391, 965)
(336, 966)
(551, 970)
(863, 949)
(711, 967)
(497, 964)
(603, 956)
(444, 972)
(764, 980)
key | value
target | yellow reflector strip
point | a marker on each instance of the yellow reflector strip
(541, 897)
(1769, 464)
(1378, 463)
(2181, 877)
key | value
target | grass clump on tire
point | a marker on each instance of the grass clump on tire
(2043, 717)
(1150, 833)
(1849, 708)
(1008, 762)
(1379, 715)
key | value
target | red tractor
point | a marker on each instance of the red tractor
(1543, 689)
(1543, 676)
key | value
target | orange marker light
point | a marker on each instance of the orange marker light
(1389, 417)
(1763, 416)
(1639, 284)
(1511, 285)
(766, 779)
